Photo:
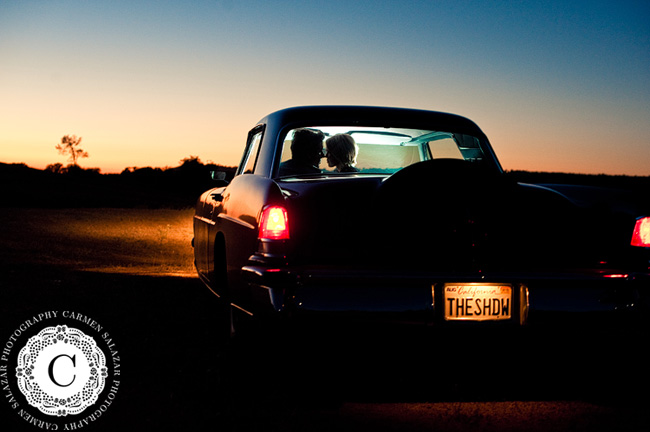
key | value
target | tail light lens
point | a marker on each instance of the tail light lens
(641, 235)
(274, 223)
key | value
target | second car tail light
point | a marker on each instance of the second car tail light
(274, 223)
(641, 234)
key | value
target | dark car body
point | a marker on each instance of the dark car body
(427, 231)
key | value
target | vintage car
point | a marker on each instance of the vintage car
(420, 227)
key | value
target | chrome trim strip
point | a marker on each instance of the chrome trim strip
(524, 304)
(237, 221)
(206, 220)
(241, 309)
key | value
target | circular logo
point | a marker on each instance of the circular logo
(61, 371)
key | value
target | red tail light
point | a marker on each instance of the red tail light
(641, 235)
(274, 223)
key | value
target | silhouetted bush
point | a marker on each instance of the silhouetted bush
(73, 186)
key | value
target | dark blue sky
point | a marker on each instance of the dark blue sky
(556, 85)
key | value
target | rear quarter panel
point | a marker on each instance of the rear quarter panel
(236, 220)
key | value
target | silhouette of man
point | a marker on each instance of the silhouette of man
(306, 153)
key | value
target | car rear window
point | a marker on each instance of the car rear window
(380, 150)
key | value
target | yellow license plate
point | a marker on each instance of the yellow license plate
(477, 302)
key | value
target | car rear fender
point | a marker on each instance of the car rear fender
(237, 220)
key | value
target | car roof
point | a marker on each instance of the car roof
(372, 116)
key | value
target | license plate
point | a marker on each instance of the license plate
(477, 302)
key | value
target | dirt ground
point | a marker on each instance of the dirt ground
(164, 329)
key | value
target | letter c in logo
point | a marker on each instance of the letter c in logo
(50, 369)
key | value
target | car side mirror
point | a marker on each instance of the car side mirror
(219, 177)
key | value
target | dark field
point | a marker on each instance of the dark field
(131, 270)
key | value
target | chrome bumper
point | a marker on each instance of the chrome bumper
(417, 297)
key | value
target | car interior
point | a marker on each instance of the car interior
(388, 150)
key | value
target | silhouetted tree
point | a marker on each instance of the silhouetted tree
(56, 168)
(68, 145)
(190, 162)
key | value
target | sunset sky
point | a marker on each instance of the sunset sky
(556, 85)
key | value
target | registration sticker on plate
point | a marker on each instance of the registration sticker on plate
(477, 302)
